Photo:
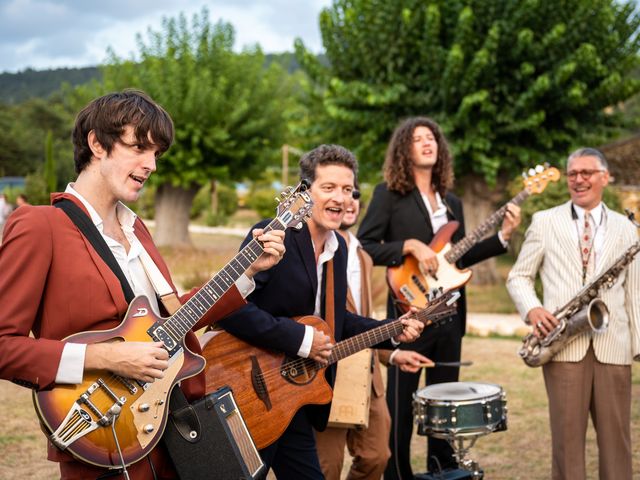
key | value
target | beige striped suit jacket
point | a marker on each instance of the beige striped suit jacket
(551, 249)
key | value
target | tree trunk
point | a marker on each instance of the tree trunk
(173, 208)
(480, 202)
(214, 197)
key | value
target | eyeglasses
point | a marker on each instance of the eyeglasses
(586, 174)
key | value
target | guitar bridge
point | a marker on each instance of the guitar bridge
(79, 421)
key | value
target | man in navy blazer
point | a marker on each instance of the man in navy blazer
(295, 287)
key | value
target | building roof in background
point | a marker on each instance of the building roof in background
(624, 160)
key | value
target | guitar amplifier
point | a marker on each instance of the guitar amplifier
(209, 439)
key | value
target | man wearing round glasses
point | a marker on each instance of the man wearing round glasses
(569, 246)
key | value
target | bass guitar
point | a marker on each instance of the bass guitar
(111, 421)
(410, 283)
(270, 387)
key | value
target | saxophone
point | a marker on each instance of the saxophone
(585, 311)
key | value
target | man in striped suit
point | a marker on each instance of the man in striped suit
(568, 246)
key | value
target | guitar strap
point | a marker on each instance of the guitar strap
(91, 233)
(329, 312)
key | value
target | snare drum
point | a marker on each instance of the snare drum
(460, 409)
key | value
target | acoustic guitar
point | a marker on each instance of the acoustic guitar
(410, 283)
(270, 387)
(109, 420)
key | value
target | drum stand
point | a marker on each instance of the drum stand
(460, 451)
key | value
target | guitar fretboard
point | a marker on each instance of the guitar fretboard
(186, 317)
(464, 245)
(428, 315)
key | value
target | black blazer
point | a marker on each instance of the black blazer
(393, 218)
(289, 290)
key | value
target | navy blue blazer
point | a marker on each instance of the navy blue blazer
(289, 290)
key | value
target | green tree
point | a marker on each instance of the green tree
(227, 109)
(49, 169)
(511, 83)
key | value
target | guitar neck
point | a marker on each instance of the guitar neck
(376, 335)
(464, 245)
(190, 313)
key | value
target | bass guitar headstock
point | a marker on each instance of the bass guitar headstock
(294, 206)
(442, 305)
(536, 179)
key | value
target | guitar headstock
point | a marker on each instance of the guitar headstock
(441, 305)
(536, 179)
(294, 207)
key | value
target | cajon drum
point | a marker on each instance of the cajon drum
(352, 391)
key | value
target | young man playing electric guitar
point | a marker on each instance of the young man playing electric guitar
(297, 287)
(55, 284)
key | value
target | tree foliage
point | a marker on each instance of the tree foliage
(510, 82)
(23, 135)
(226, 107)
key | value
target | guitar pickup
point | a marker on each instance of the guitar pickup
(408, 295)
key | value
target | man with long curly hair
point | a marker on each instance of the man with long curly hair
(405, 213)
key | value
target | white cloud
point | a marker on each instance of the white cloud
(48, 33)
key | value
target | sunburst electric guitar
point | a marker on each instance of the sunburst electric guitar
(410, 284)
(108, 414)
(270, 387)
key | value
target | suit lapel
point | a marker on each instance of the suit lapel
(304, 245)
(565, 229)
(365, 281)
(611, 233)
(417, 197)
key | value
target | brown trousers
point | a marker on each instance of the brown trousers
(575, 390)
(369, 447)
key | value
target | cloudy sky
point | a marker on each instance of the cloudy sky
(69, 33)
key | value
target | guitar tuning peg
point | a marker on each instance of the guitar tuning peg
(524, 175)
(546, 165)
(539, 168)
(532, 172)
(277, 199)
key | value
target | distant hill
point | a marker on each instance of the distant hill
(18, 87)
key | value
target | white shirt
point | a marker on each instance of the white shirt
(439, 216)
(71, 367)
(330, 248)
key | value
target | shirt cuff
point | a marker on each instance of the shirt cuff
(392, 356)
(245, 285)
(504, 243)
(394, 342)
(307, 342)
(71, 367)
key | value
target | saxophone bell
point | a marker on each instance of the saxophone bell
(598, 315)
(536, 352)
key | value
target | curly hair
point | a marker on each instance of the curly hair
(398, 162)
(108, 116)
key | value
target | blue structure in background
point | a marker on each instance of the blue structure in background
(11, 182)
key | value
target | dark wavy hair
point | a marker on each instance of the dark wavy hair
(398, 162)
(108, 116)
(327, 155)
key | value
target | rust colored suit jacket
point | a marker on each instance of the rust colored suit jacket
(54, 284)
